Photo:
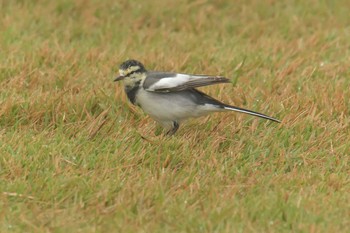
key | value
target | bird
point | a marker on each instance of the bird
(171, 98)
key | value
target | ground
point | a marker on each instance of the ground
(77, 157)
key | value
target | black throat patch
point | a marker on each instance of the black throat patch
(132, 91)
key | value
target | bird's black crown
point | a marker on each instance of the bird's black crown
(132, 63)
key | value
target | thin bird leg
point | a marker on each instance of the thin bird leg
(173, 130)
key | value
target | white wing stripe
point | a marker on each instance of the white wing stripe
(172, 82)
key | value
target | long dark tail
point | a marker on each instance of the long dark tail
(242, 110)
(202, 98)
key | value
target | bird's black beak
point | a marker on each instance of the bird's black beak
(119, 78)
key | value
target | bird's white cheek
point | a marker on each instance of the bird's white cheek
(133, 80)
(121, 72)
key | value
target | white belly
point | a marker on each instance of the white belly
(168, 107)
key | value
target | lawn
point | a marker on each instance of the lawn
(76, 156)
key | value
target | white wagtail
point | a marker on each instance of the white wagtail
(170, 98)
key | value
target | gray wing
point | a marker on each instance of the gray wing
(168, 82)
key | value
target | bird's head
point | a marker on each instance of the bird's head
(131, 71)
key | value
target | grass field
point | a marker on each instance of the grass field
(76, 156)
